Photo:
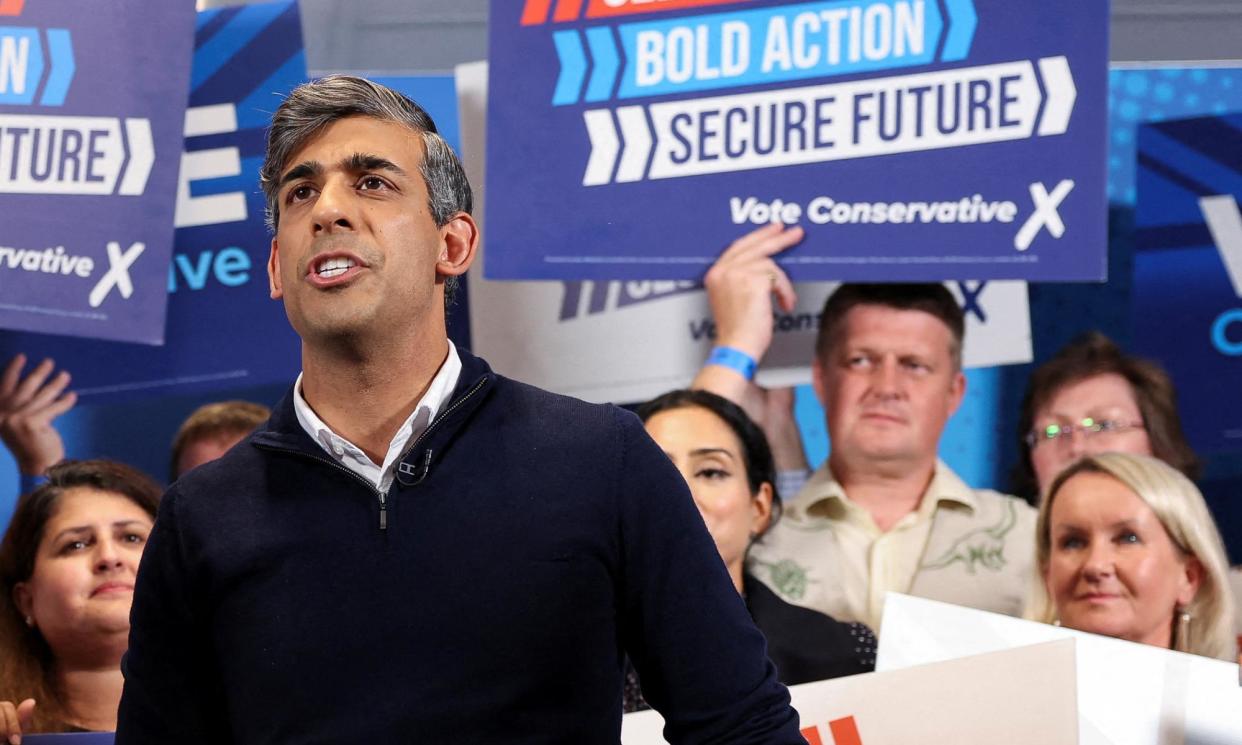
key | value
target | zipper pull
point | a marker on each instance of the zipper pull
(383, 513)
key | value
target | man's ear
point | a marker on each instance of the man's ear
(459, 238)
(817, 380)
(957, 391)
(273, 272)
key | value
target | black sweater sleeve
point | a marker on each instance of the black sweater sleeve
(701, 660)
(172, 691)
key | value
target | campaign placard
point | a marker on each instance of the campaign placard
(222, 328)
(1187, 293)
(92, 104)
(1128, 693)
(972, 701)
(659, 332)
(912, 139)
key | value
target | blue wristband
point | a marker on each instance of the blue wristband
(734, 359)
(28, 483)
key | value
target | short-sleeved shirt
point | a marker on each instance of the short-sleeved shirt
(972, 547)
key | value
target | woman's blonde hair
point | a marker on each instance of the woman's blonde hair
(1180, 508)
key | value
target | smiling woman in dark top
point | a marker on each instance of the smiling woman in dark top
(727, 464)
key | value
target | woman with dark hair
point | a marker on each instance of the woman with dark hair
(727, 464)
(1093, 398)
(67, 567)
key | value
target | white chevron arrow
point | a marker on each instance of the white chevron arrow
(604, 147)
(1059, 83)
(638, 143)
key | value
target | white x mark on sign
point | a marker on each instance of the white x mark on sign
(118, 272)
(1045, 213)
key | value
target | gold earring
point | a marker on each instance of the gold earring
(1183, 629)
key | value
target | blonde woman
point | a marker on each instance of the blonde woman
(1126, 547)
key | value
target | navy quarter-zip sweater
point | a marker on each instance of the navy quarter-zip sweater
(529, 543)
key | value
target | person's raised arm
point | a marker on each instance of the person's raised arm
(28, 406)
(780, 426)
(740, 287)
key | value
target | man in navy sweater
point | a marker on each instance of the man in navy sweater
(413, 548)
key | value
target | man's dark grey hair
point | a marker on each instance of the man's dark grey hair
(313, 106)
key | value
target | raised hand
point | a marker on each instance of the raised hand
(740, 287)
(742, 282)
(28, 406)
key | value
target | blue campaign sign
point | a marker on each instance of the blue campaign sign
(913, 139)
(1187, 295)
(223, 330)
(91, 111)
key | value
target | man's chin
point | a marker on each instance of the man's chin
(334, 331)
(878, 451)
(884, 441)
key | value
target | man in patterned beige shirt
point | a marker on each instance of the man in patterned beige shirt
(883, 513)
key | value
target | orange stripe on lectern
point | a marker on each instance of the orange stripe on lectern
(11, 7)
(811, 734)
(844, 732)
(567, 10)
(535, 12)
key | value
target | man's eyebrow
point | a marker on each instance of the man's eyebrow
(361, 162)
(356, 163)
(301, 170)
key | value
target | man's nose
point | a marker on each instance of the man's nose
(887, 377)
(333, 207)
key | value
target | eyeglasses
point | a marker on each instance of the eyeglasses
(1088, 426)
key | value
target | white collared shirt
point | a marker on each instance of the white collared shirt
(351, 456)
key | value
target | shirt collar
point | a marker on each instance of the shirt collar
(438, 394)
(825, 497)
